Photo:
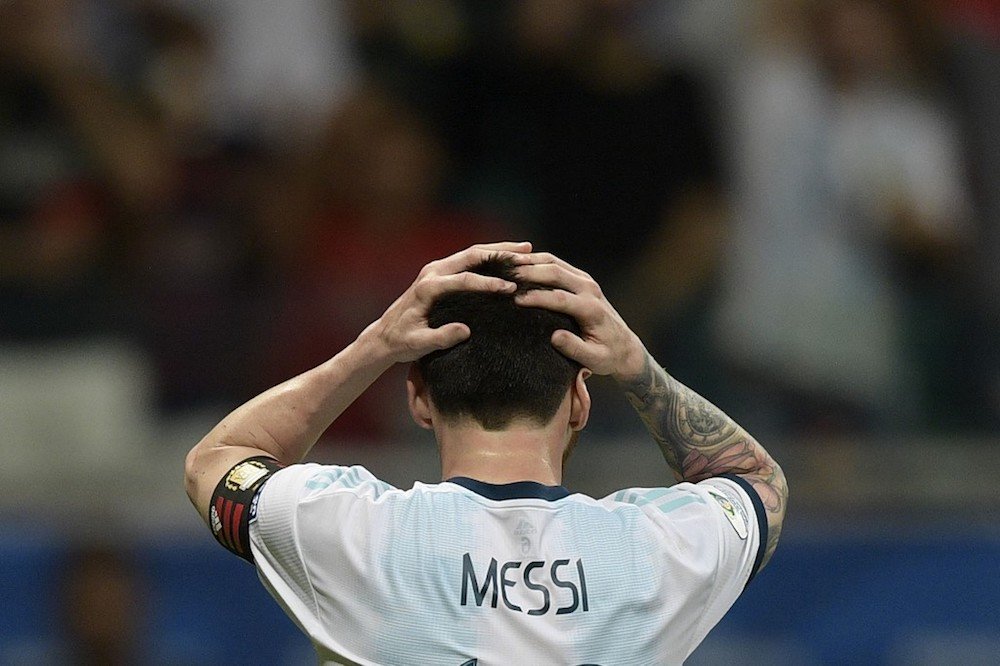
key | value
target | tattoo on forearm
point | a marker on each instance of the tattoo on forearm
(699, 440)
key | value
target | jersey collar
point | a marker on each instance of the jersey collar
(506, 491)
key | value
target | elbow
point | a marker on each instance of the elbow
(781, 481)
(193, 469)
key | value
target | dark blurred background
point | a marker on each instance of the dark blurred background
(796, 203)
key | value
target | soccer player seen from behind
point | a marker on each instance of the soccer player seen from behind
(499, 563)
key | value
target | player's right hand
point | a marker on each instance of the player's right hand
(606, 346)
(403, 331)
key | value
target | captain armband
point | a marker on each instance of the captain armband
(234, 503)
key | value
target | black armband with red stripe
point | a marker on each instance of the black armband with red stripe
(235, 500)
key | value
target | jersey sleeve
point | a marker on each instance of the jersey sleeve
(740, 514)
(279, 526)
(740, 525)
(714, 532)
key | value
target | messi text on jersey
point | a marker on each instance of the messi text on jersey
(563, 591)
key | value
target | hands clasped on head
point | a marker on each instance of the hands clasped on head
(606, 345)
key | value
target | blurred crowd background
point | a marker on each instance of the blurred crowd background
(796, 203)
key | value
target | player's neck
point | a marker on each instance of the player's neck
(521, 452)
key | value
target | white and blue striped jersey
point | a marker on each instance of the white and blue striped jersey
(464, 573)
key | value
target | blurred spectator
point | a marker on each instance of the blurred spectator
(615, 157)
(431, 55)
(123, 200)
(118, 215)
(277, 70)
(554, 113)
(169, 170)
(618, 153)
(75, 150)
(104, 609)
(701, 35)
(981, 17)
(852, 213)
(351, 228)
(194, 264)
(968, 53)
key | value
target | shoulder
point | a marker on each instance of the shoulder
(305, 481)
(685, 506)
(723, 514)
(307, 498)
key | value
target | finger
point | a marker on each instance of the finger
(554, 275)
(505, 246)
(557, 300)
(468, 257)
(432, 288)
(442, 337)
(574, 347)
(548, 258)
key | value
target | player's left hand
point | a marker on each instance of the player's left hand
(403, 331)
(606, 345)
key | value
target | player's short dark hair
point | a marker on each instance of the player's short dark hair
(507, 368)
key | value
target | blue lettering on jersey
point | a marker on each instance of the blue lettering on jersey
(560, 572)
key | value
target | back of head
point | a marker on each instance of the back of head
(508, 368)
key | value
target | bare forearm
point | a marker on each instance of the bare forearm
(699, 440)
(283, 422)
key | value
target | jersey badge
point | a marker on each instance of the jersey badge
(736, 518)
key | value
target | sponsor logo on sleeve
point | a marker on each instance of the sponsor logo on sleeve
(734, 512)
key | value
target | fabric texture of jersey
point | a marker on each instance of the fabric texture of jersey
(447, 573)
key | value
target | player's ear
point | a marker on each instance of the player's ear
(418, 398)
(579, 401)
